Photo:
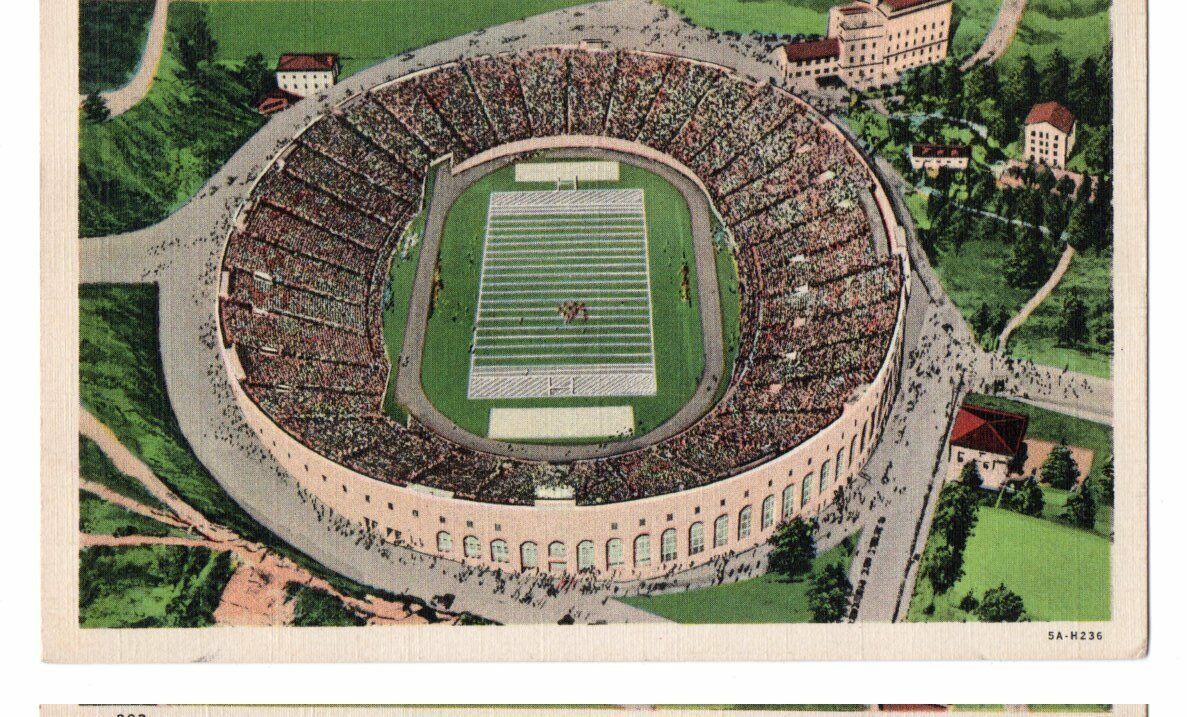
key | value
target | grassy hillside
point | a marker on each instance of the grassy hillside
(1041, 340)
(111, 37)
(151, 586)
(1079, 28)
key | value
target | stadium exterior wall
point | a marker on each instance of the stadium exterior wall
(569, 538)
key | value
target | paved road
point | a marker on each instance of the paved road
(122, 99)
(1040, 296)
(1009, 15)
(410, 392)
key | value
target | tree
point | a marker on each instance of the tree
(1073, 321)
(1029, 265)
(970, 476)
(1098, 150)
(1000, 604)
(255, 75)
(828, 596)
(1056, 76)
(1104, 486)
(1080, 229)
(1020, 90)
(195, 44)
(1080, 509)
(1084, 90)
(1027, 498)
(94, 108)
(794, 548)
(943, 567)
(956, 514)
(1059, 470)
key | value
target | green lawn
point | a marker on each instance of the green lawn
(362, 32)
(676, 323)
(1089, 278)
(111, 37)
(789, 17)
(975, 274)
(100, 517)
(94, 465)
(139, 167)
(1061, 572)
(1058, 427)
(122, 383)
(767, 599)
(1079, 28)
(151, 586)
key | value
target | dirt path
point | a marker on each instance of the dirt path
(1040, 296)
(122, 99)
(1009, 15)
(257, 593)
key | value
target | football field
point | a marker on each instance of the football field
(564, 298)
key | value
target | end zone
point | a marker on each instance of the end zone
(561, 423)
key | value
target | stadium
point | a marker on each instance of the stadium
(568, 309)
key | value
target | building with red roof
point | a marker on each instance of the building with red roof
(871, 42)
(989, 437)
(306, 73)
(940, 156)
(275, 100)
(1049, 134)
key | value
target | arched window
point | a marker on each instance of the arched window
(499, 552)
(528, 555)
(556, 550)
(806, 490)
(840, 462)
(744, 523)
(614, 552)
(444, 542)
(788, 501)
(768, 511)
(643, 549)
(696, 538)
(667, 545)
(585, 555)
(721, 531)
(472, 547)
(825, 475)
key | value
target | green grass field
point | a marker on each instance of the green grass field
(111, 37)
(766, 599)
(1061, 572)
(151, 586)
(972, 20)
(1089, 278)
(789, 17)
(362, 32)
(678, 350)
(94, 465)
(313, 607)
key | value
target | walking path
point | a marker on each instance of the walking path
(1040, 296)
(122, 99)
(257, 593)
(1009, 15)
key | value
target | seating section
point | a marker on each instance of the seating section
(306, 271)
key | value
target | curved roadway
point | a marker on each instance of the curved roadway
(410, 391)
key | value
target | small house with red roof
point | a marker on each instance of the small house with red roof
(306, 73)
(275, 100)
(1049, 135)
(940, 156)
(991, 438)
